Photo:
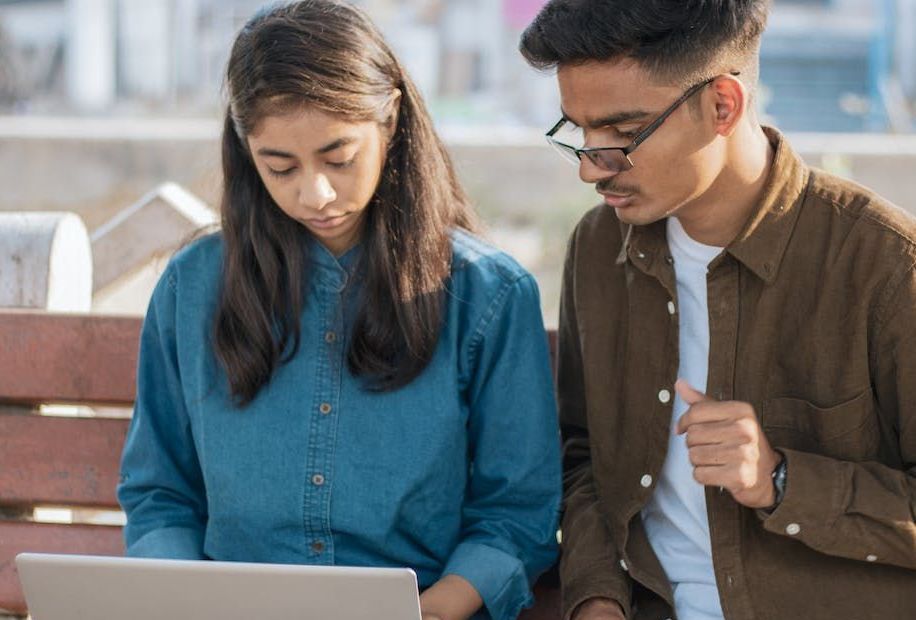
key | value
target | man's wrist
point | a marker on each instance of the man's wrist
(779, 476)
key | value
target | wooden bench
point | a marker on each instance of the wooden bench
(73, 462)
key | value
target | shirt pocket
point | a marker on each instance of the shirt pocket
(847, 431)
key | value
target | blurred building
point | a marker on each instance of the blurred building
(840, 65)
(828, 65)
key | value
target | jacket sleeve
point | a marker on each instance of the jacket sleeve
(509, 517)
(590, 564)
(161, 487)
(865, 511)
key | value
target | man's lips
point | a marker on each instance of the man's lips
(617, 200)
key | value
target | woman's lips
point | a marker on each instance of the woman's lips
(327, 222)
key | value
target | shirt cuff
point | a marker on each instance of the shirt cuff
(497, 576)
(170, 543)
(599, 582)
(812, 501)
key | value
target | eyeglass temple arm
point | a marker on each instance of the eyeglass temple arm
(645, 133)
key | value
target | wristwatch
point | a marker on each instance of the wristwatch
(779, 482)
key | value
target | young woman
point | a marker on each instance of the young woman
(344, 374)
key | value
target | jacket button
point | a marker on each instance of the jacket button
(324, 408)
(664, 397)
(792, 529)
(871, 558)
(623, 564)
(646, 481)
(318, 480)
(318, 546)
(671, 308)
(330, 337)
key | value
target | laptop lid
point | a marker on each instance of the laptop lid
(81, 587)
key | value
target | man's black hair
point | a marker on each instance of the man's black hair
(675, 40)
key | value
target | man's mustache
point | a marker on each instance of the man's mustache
(609, 186)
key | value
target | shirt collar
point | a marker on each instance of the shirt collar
(762, 242)
(334, 270)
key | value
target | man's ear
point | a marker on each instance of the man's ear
(731, 98)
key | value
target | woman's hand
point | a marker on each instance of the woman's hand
(450, 598)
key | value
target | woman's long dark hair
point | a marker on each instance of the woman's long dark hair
(328, 55)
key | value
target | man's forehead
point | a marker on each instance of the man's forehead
(596, 94)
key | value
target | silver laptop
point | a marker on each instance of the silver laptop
(82, 587)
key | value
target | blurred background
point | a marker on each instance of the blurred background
(110, 109)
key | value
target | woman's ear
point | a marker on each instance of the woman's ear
(394, 107)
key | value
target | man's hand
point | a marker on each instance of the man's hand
(727, 447)
(599, 609)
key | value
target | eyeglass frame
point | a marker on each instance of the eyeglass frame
(641, 137)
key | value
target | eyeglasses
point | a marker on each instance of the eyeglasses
(617, 158)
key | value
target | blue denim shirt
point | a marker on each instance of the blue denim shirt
(456, 473)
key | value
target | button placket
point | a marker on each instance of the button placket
(322, 424)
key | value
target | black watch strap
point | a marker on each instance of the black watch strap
(779, 481)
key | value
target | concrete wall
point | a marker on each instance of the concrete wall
(526, 193)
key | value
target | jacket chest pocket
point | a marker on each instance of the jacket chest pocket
(847, 431)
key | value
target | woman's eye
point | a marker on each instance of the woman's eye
(342, 164)
(280, 173)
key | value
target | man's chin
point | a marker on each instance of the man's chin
(635, 216)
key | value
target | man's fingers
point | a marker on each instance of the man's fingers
(720, 454)
(708, 433)
(688, 393)
(703, 412)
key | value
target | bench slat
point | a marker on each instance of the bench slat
(18, 537)
(60, 461)
(68, 358)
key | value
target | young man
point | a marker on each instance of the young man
(737, 355)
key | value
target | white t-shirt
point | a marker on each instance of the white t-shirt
(675, 517)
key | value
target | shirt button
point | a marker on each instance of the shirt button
(623, 565)
(792, 529)
(671, 307)
(324, 408)
(664, 397)
(646, 481)
(318, 546)
(318, 480)
(330, 337)
(871, 558)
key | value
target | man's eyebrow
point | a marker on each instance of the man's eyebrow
(611, 119)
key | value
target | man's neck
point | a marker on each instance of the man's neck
(721, 213)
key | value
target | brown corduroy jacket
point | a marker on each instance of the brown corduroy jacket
(812, 315)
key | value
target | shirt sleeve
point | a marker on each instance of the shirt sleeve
(590, 565)
(509, 517)
(865, 511)
(161, 488)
